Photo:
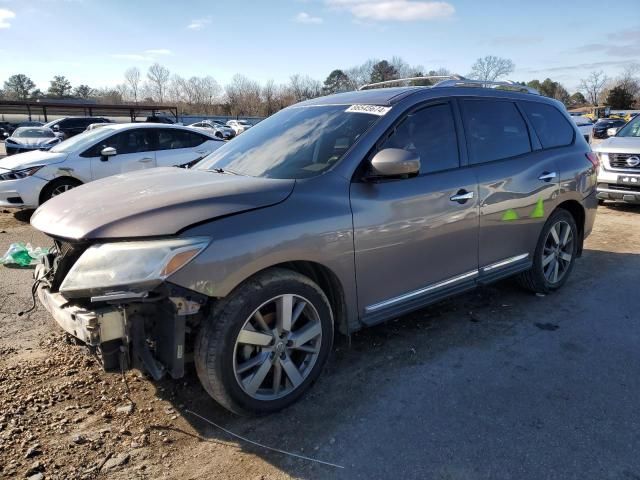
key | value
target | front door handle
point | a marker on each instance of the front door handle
(461, 197)
(145, 160)
(546, 176)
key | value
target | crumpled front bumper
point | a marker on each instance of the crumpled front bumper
(92, 327)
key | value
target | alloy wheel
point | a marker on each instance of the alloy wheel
(558, 252)
(277, 347)
(61, 189)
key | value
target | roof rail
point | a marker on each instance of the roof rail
(409, 79)
(504, 85)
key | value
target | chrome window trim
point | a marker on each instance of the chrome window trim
(505, 262)
(420, 291)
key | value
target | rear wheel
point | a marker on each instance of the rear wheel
(57, 187)
(266, 343)
(555, 254)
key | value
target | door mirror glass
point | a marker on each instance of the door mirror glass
(394, 162)
(55, 128)
(612, 131)
(108, 152)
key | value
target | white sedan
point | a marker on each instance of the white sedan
(239, 126)
(30, 179)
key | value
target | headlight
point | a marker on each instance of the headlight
(126, 265)
(12, 142)
(16, 174)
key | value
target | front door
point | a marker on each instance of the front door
(518, 182)
(134, 151)
(416, 238)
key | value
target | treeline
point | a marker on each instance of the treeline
(243, 96)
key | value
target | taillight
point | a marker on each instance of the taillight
(593, 158)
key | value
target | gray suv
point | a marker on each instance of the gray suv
(331, 215)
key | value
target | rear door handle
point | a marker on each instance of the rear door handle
(145, 160)
(461, 197)
(546, 176)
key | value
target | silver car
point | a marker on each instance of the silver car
(333, 214)
(619, 175)
(28, 139)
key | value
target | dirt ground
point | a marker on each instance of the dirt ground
(497, 383)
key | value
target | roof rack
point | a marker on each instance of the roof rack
(503, 85)
(409, 79)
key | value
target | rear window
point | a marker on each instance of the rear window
(552, 128)
(494, 129)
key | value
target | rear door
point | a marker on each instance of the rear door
(135, 151)
(518, 182)
(413, 239)
(181, 147)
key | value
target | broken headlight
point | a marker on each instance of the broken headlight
(130, 265)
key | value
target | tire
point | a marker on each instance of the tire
(219, 135)
(240, 370)
(600, 202)
(543, 277)
(56, 187)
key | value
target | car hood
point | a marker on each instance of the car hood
(30, 159)
(619, 145)
(156, 202)
(31, 141)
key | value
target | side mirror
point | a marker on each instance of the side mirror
(107, 152)
(6, 135)
(55, 128)
(611, 132)
(395, 162)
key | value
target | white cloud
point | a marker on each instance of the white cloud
(394, 10)
(199, 23)
(304, 17)
(159, 51)
(6, 16)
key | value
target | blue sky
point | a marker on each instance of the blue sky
(95, 41)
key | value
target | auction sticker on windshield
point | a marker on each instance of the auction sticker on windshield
(372, 109)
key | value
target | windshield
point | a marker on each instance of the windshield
(631, 129)
(33, 133)
(297, 142)
(82, 141)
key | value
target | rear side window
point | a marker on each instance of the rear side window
(550, 125)
(494, 130)
(171, 139)
(430, 132)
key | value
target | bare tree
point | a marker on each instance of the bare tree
(132, 80)
(304, 87)
(490, 68)
(158, 78)
(593, 85)
(243, 96)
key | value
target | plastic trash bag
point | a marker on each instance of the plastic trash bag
(23, 255)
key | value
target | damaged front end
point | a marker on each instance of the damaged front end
(114, 297)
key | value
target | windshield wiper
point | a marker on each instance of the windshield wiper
(222, 170)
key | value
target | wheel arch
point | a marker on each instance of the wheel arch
(44, 191)
(577, 212)
(328, 282)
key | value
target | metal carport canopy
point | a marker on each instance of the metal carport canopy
(85, 109)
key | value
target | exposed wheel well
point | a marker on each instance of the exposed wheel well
(577, 212)
(44, 193)
(330, 285)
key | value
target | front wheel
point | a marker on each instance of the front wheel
(266, 343)
(555, 254)
(57, 187)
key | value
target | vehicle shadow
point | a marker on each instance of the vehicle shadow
(23, 216)
(372, 375)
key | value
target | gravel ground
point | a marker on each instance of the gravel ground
(494, 384)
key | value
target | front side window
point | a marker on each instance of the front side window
(494, 130)
(429, 132)
(552, 128)
(81, 142)
(297, 142)
(129, 141)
